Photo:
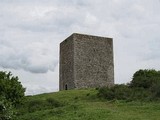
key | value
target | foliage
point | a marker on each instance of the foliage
(88, 107)
(145, 78)
(6, 110)
(116, 92)
(155, 90)
(84, 104)
(144, 86)
(11, 88)
(123, 92)
(149, 80)
(11, 94)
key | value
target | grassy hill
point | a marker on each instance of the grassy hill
(84, 105)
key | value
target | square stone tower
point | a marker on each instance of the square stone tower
(86, 61)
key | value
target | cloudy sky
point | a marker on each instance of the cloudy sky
(31, 30)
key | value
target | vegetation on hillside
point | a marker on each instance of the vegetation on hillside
(85, 105)
(120, 102)
(145, 86)
(11, 95)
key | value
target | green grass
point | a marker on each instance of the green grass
(84, 105)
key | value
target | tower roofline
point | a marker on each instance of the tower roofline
(75, 34)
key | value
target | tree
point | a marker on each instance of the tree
(6, 110)
(149, 80)
(145, 85)
(10, 88)
(145, 78)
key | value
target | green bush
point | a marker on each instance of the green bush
(119, 92)
(6, 110)
(139, 94)
(145, 78)
(144, 86)
(106, 93)
(155, 90)
(11, 95)
(11, 88)
(123, 92)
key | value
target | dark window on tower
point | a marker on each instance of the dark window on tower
(66, 87)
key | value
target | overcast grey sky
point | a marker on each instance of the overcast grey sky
(31, 30)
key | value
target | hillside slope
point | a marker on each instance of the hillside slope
(84, 105)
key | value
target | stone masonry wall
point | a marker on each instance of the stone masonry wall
(86, 61)
(93, 61)
(66, 74)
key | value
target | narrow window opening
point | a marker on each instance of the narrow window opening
(66, 87)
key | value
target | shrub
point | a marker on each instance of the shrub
(145, 78)
(155, 90)
(119, 92)
(6, 110)
(124, 92)
(139, 94)
(144, 86)
(149, 80)
(11, 88)
(106, 93)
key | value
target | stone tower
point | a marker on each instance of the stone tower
(86, 61)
